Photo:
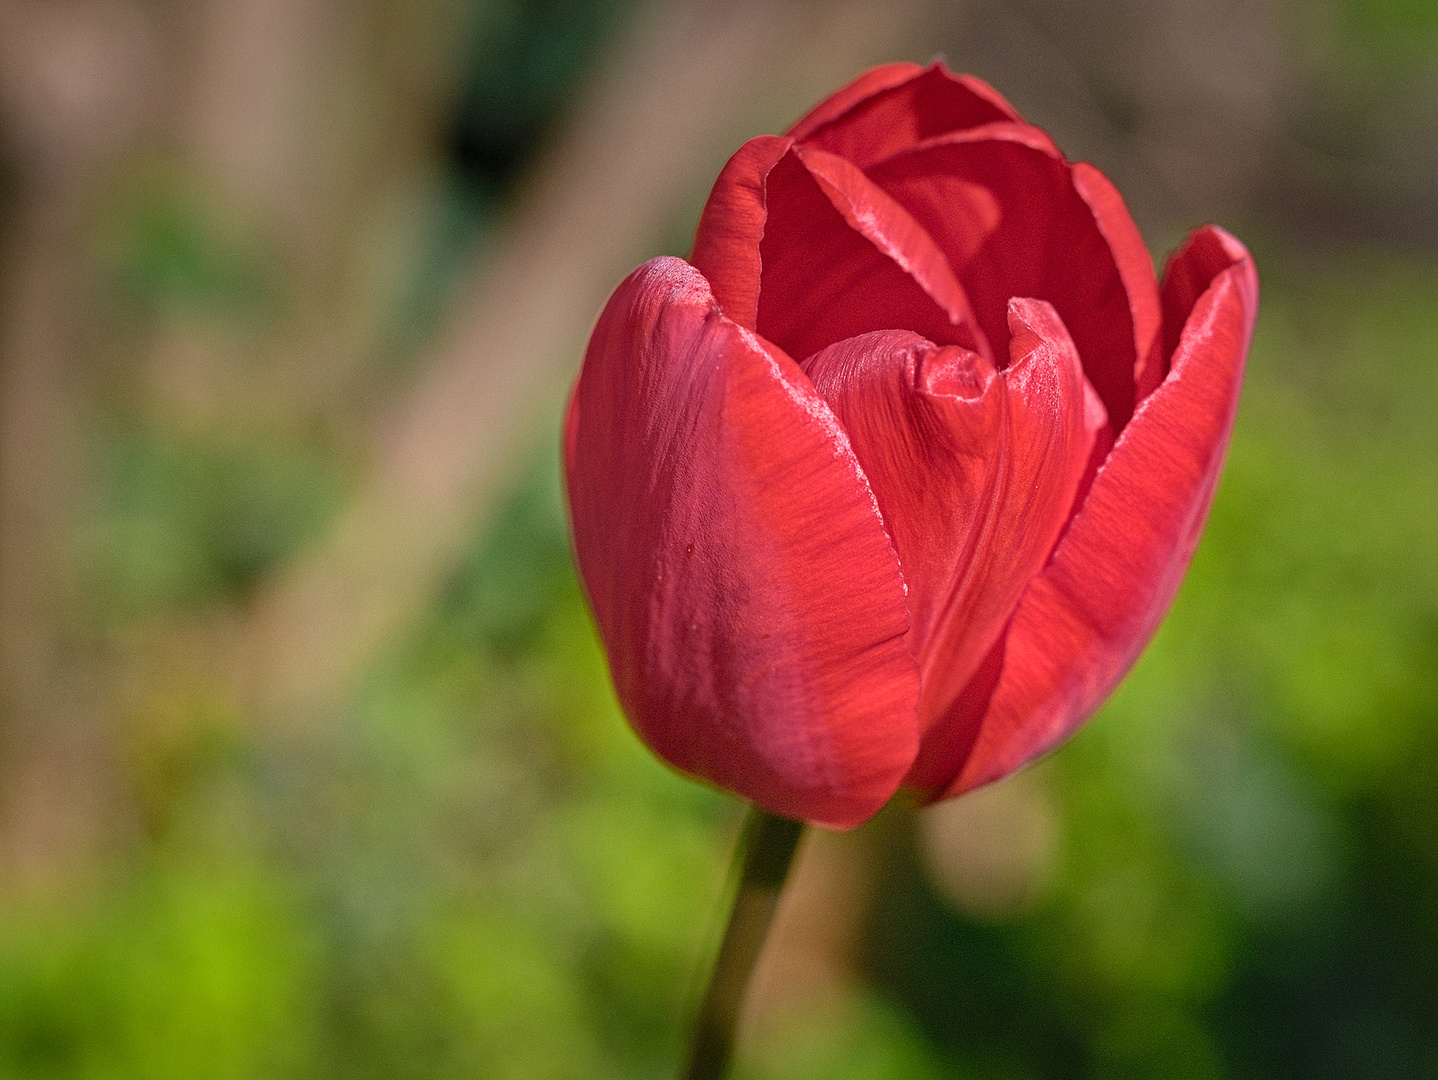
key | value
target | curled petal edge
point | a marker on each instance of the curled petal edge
(726, 242)
(1082, 622)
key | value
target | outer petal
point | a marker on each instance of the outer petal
(975, 471)
(894, 107)
(1001, 202)
(804, 248)
(1084, 620)
(750, 602)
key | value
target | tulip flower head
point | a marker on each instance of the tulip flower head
(889, 484)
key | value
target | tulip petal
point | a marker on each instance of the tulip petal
(1135, 268)
(1189, 273)
(1084, 620)
(975, 471)
(1002, 204)
(898, 106)
(726, 244)
(841, 258)
(874, 81)
(750, 602)
(802, 247)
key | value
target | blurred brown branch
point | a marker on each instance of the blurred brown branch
(258, 104)
(73, 89)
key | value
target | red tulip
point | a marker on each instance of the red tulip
(889, 485)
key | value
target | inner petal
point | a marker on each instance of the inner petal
(933, 101)
(840, 258)
(975, 471)
(1001, 202)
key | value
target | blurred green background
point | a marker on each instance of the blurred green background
(310, 763)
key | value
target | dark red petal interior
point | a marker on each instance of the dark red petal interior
(1001, 203)
(1135, 268)
(840, 258)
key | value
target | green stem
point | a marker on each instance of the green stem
(767, 849)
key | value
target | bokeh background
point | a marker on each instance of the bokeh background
(309, 766)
